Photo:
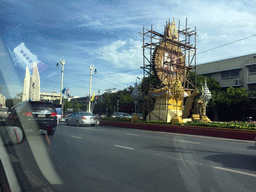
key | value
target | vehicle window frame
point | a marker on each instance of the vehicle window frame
(19, 108)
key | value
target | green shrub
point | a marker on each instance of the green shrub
(230, 125)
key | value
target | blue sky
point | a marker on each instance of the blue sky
(105, 34)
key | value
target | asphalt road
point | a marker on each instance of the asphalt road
(104, 158)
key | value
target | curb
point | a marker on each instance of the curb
(194, 130)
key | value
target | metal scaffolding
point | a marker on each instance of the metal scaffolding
(186, 42)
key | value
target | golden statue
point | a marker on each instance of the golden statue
(170, 68)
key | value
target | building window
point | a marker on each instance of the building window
(230, 74)
(207, 75)
(252, 87)
(225, 74)
(252, 68)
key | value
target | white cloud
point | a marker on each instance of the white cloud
(91, 23)
(86, 17)
(123, 54)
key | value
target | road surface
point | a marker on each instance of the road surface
(104, 158)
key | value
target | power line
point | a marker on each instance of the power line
(106, 73)
(227, 44)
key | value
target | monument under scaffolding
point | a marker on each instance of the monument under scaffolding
(170, 57)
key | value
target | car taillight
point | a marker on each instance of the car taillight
(95, 118)
(83, 117)
(27, 113)
(53, 114)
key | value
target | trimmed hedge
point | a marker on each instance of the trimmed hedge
(231, 125)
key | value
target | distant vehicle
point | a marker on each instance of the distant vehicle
(138, 114)
(81, 118)
(249, 119)
(34, 115)
(3, 113)
(121, 114)
(102, 116)
(65, 116)
(58, 108)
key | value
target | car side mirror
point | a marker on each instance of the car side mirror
(11, 134)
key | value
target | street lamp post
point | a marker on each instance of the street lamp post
(139, 80)
(136, 95)
(62, 72)
(61, 86)
(91, 68)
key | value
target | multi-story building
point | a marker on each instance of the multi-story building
(235, 72)
(49, 96)
(53, 96)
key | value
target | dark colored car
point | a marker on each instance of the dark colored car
(34, 115)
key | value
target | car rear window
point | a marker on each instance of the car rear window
(40, 106)
(87, 114)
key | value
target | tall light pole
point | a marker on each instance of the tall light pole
(136, 96)
(62, 72)
(139, 80)
(91, 68)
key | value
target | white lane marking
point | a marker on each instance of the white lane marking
(220, 168)
(124, 147)
(88, 128)
(188, 142)
(234, 171)
(76, 137)
(132, 134)
(84, 128)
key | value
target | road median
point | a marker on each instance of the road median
(241, 134)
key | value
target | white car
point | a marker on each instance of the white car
(121, 114)
(58, 118)
(81, 118)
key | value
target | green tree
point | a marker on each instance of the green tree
(83, 107)
(68, 105)
(231, 104)
(212, 84)
(77, 105)
(147, 82)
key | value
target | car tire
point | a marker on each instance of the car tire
(92, 125)
(66, 122)
(77, 123)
